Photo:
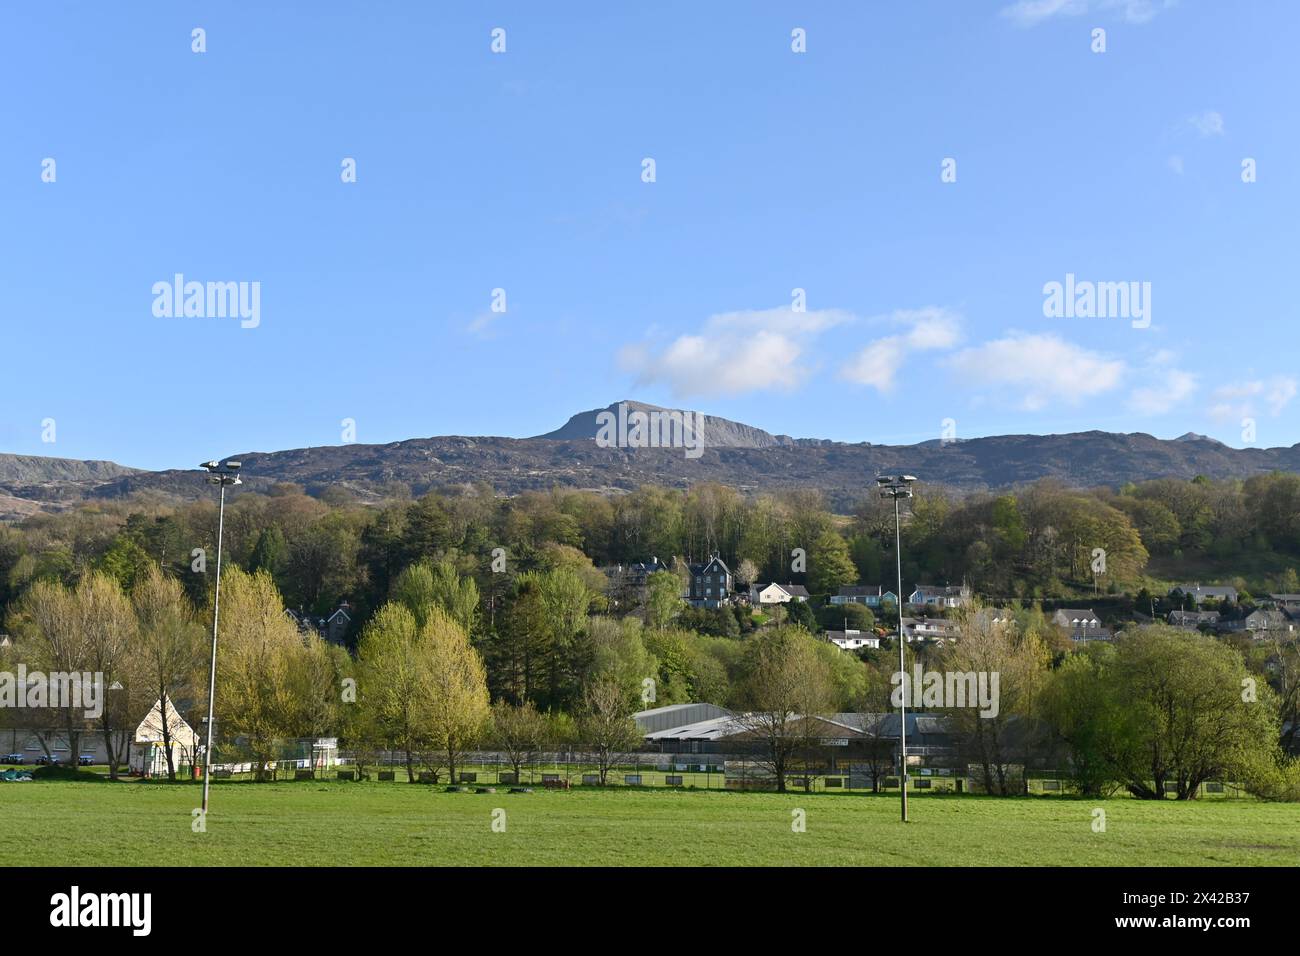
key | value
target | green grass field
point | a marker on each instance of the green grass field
(310, 823)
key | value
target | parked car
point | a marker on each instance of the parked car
(12, 758)
(44, 760)
(85, 760)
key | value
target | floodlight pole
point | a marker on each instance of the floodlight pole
(902, 666)
(896, 487)
(222, 475)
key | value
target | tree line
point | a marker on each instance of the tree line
(472, 610)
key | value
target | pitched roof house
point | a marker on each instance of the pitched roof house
(940, 596)
(779, 593)
(711, 583)
(1192, 620)
(1268, 620)
(936, 628)
(149, 756)
(1073, 618)
(1082, 623)
(1207, 593)
(640, 570)
(333, 628)
(870, 595)
(852, 640)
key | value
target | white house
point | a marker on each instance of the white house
(928, 594)
(778, 594)
(936, 628)
(852, 640)
(149, 756)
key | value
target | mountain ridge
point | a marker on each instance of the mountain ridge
(749, 458)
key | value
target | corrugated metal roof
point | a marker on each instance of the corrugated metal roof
(730, 725)
(886, 725)
(703, 730)
(677, 715)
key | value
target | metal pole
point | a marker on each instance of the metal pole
(212, 671)
(902, 665)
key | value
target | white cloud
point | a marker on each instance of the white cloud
(1237, 400)
(876, 365)
(1040, 369)
(481, 325)
(1280, 393)
(1165, 387)
(1029, 13)
(1209, 123)
(1140, 11)
(1176, 164)
(928, 329)
(734, 353)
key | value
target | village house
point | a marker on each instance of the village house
(1082, 624)
(872, 596)
(997, 617)
(333, 629)
(711, 583)
(627, 582)
(928, 595)
(1267, 620)
(638, 573)
(1074, 619)
(1193, 620)
(1201, 594)
(851, 640)
(778, 593)
(937, 629)
(633, 576)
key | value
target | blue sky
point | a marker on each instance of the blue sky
(523, 171)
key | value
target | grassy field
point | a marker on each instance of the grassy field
(316, 823)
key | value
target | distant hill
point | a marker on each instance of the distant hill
(717, 432)
(30, 483)
(740, 455)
